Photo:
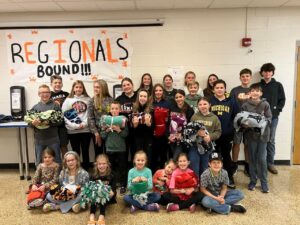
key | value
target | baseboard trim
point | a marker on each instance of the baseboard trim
(277, 162)
(32, 166)
(14, 166)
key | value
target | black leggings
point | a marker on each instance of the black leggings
(160, 149)
(223, 146)
(183, 204)
(81, 141)
(102, 209)
(98, 149)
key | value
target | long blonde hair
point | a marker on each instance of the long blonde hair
(96, 171)
(98, 99)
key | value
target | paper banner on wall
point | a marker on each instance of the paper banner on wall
(177, 72)
(75, 54)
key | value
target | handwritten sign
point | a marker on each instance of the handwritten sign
(83, 54)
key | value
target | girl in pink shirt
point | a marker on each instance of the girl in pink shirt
(184, 190)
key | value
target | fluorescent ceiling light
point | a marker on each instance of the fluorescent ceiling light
(82, 23)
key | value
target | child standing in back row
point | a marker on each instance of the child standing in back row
(241, 95)
(225, 108)
(192, 98)
(198, 154)
(48, 137)
(257, 141)
(75, 109)
(115, 143)
(59, 96)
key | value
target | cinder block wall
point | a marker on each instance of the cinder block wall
(204, 41)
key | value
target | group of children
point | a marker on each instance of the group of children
(155, 119)
(175, 186)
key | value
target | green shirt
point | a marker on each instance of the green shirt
(145, 172)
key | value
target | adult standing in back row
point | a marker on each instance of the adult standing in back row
(274, 93)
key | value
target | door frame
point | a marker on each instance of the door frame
(295, 161)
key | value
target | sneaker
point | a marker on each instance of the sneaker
(172, 207)
(49, 207)
(76, 208)
(251, 186)
(265, 188)
(133, 209)
(123, 190)
(272, 169)
(246, 169)
(238, 208)
(153, 207)
(192, 208)
(231, 183)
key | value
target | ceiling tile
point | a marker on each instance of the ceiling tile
(230, 3)
(267, 3)
(154, 4)
(116, 5)
(40, 6)
(292, 3)
(79, 6)
(10, 7)
(192, 4)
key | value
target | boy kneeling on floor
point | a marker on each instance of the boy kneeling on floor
(214, 181)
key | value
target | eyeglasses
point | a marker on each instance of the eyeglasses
(70, 160)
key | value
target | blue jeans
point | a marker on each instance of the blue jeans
(198, 162)
(257, 160)
(231, 197)
(271, 143)
(152, 198)
(39, 152)
(176, 149)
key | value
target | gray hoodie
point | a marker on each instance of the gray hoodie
(262, 108)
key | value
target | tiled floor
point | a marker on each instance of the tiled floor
(281, 206)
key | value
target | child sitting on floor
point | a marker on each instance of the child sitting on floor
(183, 187)
(45, 175)
(102, 172)
(162, 177)
(140, 184)
(214, 182)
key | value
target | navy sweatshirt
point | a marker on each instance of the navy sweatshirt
(225, 110)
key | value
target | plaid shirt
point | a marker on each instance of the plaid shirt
(214, 183)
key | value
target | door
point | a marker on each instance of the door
(296, 155)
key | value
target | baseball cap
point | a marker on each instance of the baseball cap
(215, 156)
